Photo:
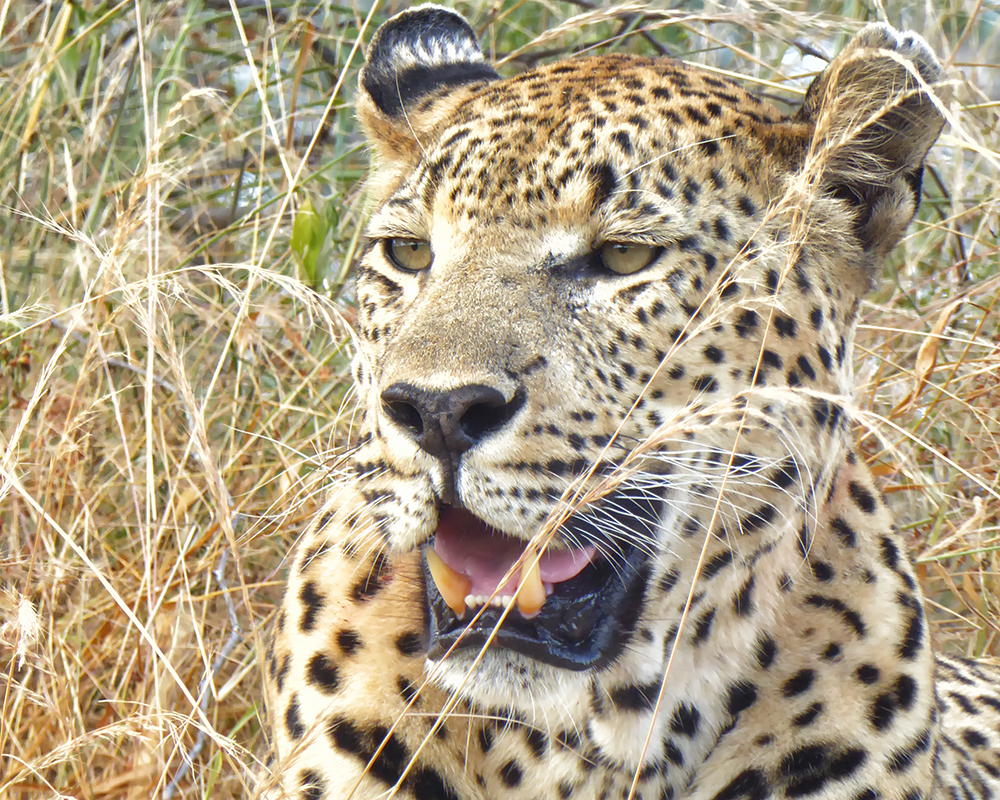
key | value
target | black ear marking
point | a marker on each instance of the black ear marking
(419, 52)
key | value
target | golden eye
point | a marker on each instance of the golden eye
(412, 255)
(625, 258)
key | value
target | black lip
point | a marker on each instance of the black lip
(587, 620)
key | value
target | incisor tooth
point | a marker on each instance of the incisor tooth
(531, 593)
(453, 585)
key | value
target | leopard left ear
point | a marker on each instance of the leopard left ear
(420, 66)
(872, 121)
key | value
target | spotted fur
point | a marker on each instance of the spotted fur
(777, 646)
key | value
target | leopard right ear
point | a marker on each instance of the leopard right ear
(420, 66)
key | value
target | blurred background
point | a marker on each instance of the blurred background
(181, 200)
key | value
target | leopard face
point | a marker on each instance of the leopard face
(606, 317)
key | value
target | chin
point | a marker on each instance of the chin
(507, 680)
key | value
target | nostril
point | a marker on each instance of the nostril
(405, 415)
(486, 417)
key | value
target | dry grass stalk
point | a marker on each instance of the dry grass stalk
(173, 392)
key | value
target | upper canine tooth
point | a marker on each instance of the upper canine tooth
(531, 592)
(454, 586)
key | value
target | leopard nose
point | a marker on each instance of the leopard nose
(446, 424)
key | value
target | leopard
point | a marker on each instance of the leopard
(607, 533)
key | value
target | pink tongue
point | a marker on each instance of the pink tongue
(484, 555)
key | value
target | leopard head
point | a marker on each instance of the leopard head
(606, 315)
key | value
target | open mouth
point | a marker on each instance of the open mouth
(574, 607)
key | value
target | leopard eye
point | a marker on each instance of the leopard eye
(624, 258)
(412, 255)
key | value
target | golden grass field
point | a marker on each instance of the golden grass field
(174, 352)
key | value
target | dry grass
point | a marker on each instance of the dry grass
(173, 380)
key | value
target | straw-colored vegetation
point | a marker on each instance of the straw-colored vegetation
(182, 195)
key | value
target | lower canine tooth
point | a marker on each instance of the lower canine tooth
(531, 592)
(452, 585)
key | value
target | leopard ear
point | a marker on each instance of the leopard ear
(420, 65)
(873, 119)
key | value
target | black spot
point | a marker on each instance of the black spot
(623, 140)
(510, 774)
(800, 682)
(743, 601)
(293, 722)
(767, 649)
(705, 383)
(569, 739)
(349, 641)
(862, 497)
(605, 182)
(685, 720)
(703, 628)
(847, 763)
(366, 588)
(906, 691)
(808, 758)
(844, 531)
(868, 673)
(740, 697)
(832, 652)
(323, 674)
(406, 688)
(427, 784)
(345, 735)
(822, 571)
(635, 697)
(913, 638)
(974, 738)
(850, 617)
(392, 758)
(770, 359)
(805, 539)
(747, 206)
(673, 754)
(882, 711)
(713, 565)
(902, 759)
(763, 515)
(750, 784)
(670, 578)
(313, 602)
(410, 643)
(808, 717)
(746, 323)
(286, 664)
(312, 785)
(890, 553)
(785, 326)
(537, 741)
(709, 147)
(714, 354)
